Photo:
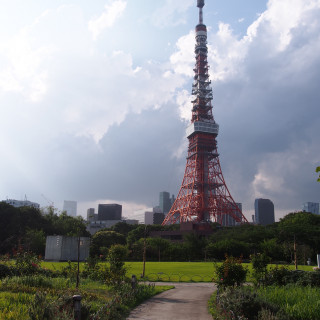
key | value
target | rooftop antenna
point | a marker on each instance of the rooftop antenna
(200, 5)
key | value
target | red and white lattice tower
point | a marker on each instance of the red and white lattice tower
(203, 195)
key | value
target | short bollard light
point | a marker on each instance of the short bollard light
(77, 307)
(133, 281)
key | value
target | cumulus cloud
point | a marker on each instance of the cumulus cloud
(113, 11)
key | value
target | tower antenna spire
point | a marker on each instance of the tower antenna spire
(200, 5)
(203, 196)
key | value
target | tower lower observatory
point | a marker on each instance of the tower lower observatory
(203, 195)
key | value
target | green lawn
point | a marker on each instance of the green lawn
(170, 271)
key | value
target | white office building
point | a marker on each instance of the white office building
(312, 207)
(70, 207)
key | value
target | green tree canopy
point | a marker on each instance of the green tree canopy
(103, 240)
(318, 170)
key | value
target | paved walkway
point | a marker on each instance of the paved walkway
(187, 301)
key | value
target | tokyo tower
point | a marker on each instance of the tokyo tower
(203, 195)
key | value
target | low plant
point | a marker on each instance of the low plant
(298, 303)
(116, 271)
(230, 273)
(277, 276)
(243, 304)
(26, 262)
(94, 270)
(260, 267)
(5, 271)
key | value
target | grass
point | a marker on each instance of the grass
(17, 294)
(297, 302)
(171, 271)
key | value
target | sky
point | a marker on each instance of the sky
(95, 99)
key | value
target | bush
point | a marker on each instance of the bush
(116, 272)
(259, 265)
(277, 276)
(281, 276)
(243, 303)
(5, 271)
(93, 270)
(26, 263)
(230, 273)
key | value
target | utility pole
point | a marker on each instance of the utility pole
(78, 271)
(144, 251)
(295, 252)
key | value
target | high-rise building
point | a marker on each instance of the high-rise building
(109, 212)
(203, 195)
(165, 202)
(312, 207)
(70, 207)
(264, 211)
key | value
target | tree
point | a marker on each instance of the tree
(35, 241)
(318, 170)
(195, 246)
(103, 240)
(158, 245)
(230, 247)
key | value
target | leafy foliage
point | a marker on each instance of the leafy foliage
(103, 240)
(27, 227)
(5, 271)
(230, 273)
(318, 170)
(116, 272)
(260, 267)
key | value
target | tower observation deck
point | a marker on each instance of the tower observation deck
(203, 195)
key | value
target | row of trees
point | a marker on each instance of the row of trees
(276, 241)
(28, 227)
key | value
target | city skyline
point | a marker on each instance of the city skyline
(96, 98)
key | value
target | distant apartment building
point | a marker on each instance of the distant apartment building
(109, 212)
(264, 211)
(154, 217)
(108, 215)
(312, 207)
(70, 207)
(22, 203)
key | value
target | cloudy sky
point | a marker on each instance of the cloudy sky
(95, 99)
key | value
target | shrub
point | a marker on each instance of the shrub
(70, 271)
(5, 271)
(243, 303)
(26, 263)
(277, 276)
(231, 272)
(259, 265)
(93, 270)
(116, 272)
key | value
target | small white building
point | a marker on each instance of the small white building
(22, 203)
(63, 248)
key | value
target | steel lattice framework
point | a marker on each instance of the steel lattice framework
(203, 195)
